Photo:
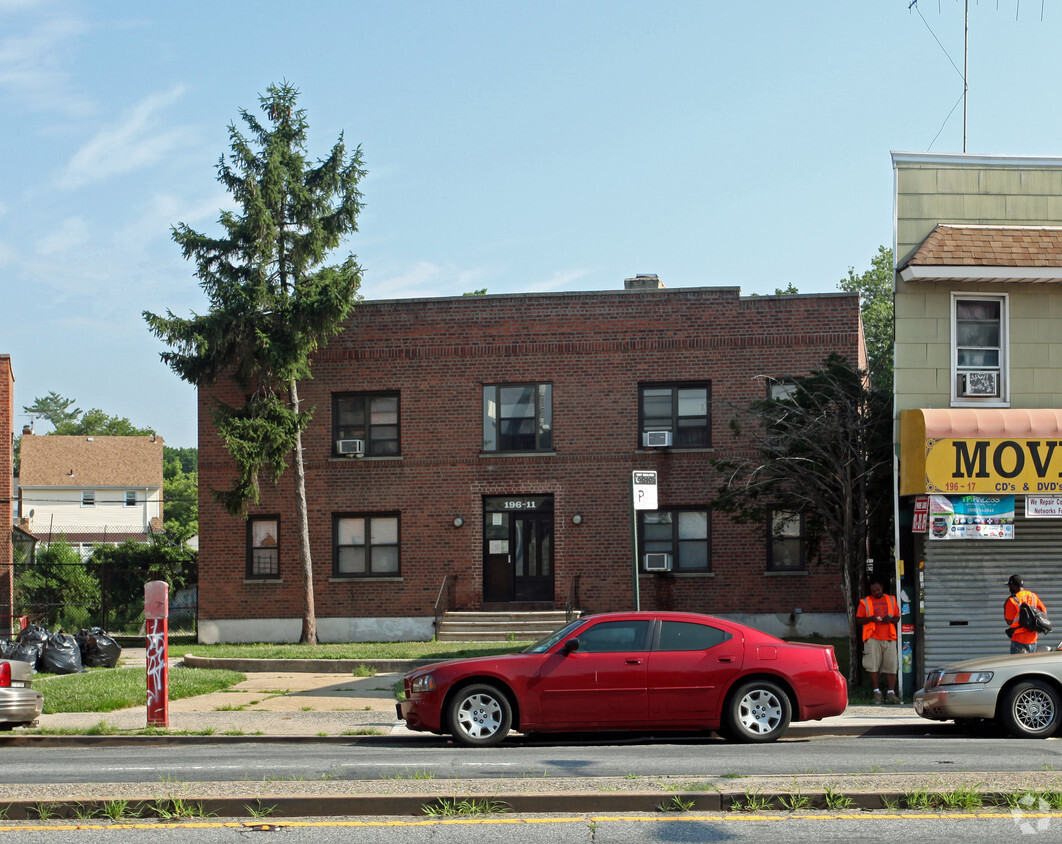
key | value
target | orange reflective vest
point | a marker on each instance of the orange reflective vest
(877, 629)
(1010, 613)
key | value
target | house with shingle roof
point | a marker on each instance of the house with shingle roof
(90, 490)
(978, 393)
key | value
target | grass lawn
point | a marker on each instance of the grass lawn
(107, 689)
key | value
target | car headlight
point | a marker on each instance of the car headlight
(958, 678)
(423, 683)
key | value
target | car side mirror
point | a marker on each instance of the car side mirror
(571, 645)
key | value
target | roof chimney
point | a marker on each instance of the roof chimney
(643, 281)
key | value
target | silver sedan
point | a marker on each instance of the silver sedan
(1023, 692)
(20, 704)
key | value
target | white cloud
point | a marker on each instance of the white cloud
(141, 138)
(33, 62)
(72, 233)
(561, 279)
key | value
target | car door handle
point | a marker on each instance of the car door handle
(726, 659)
(634, 662)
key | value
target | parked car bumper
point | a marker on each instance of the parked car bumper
(947, 704)
(20, 707)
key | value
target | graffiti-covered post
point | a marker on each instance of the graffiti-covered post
(156, 623)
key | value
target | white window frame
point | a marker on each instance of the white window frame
(1003, 399)
(130, 494)
(88, 498)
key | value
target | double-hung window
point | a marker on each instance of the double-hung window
(130, 498)
(365, 545)
(263, 547)
(683, 535)
(365, 424)
(785, 545)
(979, 348)
(677, 415)
(517, 417)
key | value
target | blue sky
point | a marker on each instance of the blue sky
(516, 146)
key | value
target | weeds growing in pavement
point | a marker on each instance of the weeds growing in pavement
(675, 804)
(117, 810)
(890, 803)
(174, 808)
(260, 811)
(733, 776)
(795, 802)
(689, 786)
(835, 800)
(920, 798)
(450, 807)
(362, 731)
(961, 798)
(44, 811)
(365, 671)
(413, 775)
(753, 801)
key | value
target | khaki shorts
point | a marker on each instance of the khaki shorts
(879, 655)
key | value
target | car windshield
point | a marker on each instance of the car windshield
(543, 645)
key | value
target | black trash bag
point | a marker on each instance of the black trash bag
(61, 655)
(29, 651)
(98, 650)
(32, 633)
(8, 647)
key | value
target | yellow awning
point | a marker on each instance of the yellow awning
(981, 451)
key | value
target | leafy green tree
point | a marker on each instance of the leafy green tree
(124, 569)
(180, 496)
(53, 407)
(273, 300)
(874, 287)
(823, 450)
(60, 587)
(96, 423)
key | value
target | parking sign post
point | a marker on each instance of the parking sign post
(643, 497)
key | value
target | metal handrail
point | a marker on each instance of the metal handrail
(442, 605)
(572, 602)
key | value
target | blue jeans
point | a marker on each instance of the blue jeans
(1022, 647)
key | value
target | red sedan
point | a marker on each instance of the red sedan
(631, 671)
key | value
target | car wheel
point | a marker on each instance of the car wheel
(1031, 710)
(480, 716)
(758, 711)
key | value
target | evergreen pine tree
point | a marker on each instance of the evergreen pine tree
(273, 300)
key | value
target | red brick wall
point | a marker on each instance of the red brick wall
(595, 349)
(7, 483)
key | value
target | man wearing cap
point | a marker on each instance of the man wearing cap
(1022, 641)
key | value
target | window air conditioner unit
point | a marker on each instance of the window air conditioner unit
(979, 383)
(656, 439)
(355, 448)
(658, 562)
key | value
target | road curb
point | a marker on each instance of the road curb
(247, 665)
(269, 809)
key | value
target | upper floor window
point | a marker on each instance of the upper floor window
(517, 417)
(365, 424)
(365, 546)
(88, 498)
(979, 348)
(263, 546)
(130, 498)
(676, 415)
(675, 540)
(785, 545)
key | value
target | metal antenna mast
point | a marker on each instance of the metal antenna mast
(965, 75)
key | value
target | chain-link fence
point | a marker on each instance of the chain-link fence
(65, 585)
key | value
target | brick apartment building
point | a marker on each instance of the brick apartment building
(490, 441)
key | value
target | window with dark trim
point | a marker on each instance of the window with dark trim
(681, 410)
(372, 418)
(785, 543)
(517, 417)
(130, 498)
(263, 547)
(365, 545)
(683, 534)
